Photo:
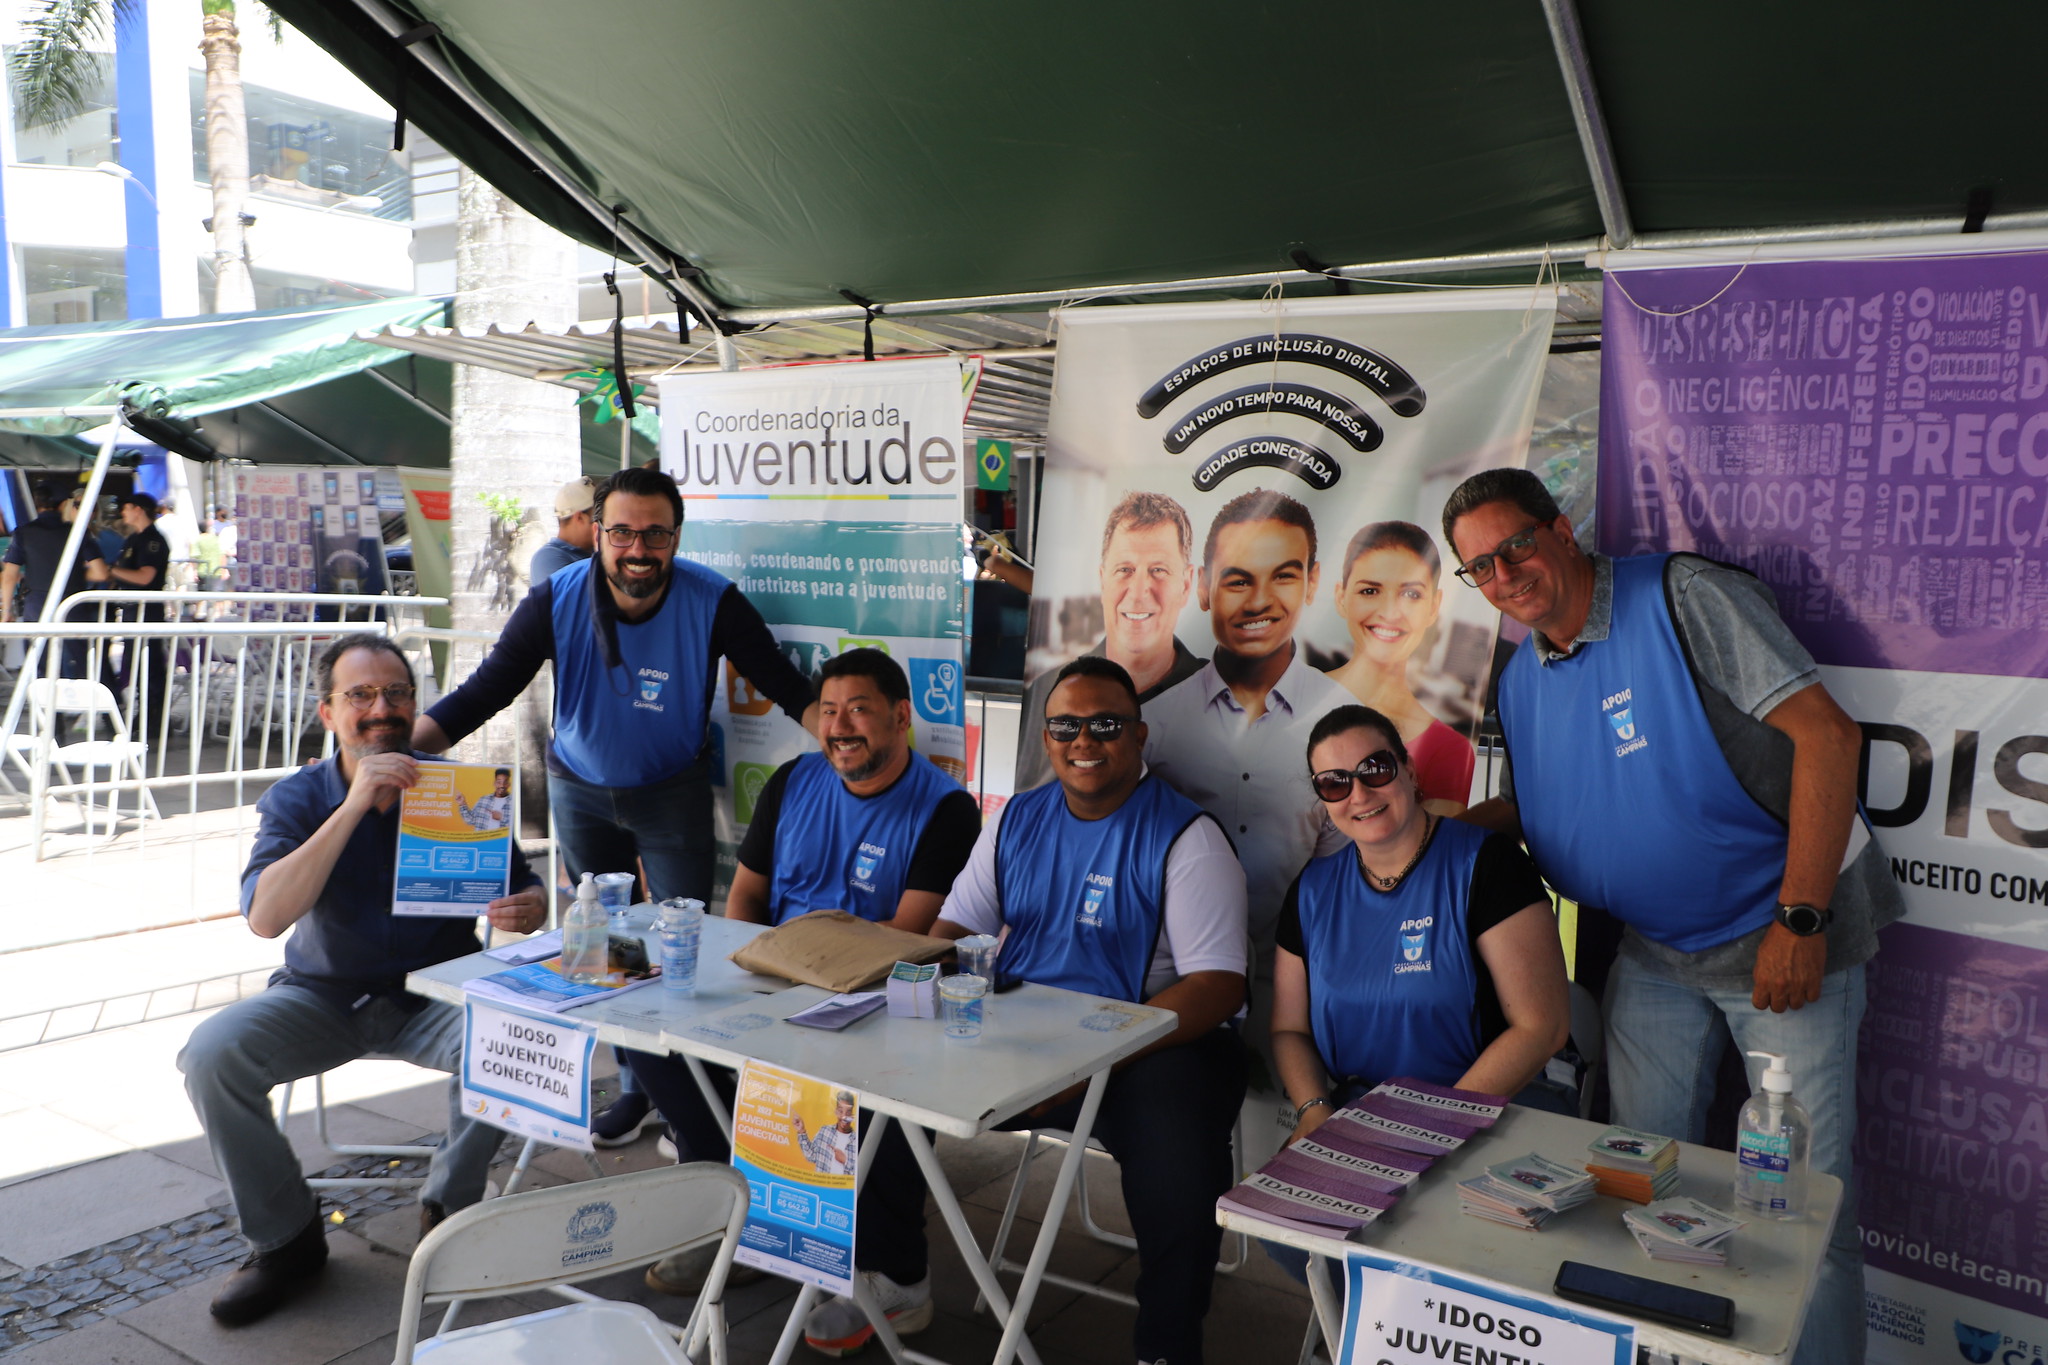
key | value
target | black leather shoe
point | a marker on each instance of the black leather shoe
(432, 1215)
(268, 1278)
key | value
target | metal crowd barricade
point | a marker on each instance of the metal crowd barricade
(238, 704)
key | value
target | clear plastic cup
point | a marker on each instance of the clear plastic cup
(680, 925)
(615, 893)
(960, 1005)
(978, 956)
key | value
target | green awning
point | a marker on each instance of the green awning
(176, 369)
(920, 151)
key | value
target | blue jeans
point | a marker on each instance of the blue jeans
(289, 1032)
(664, 825)
(1663, 1047)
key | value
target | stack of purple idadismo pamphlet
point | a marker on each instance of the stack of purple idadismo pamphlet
(1356, 1166)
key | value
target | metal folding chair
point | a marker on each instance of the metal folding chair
(550, 1239)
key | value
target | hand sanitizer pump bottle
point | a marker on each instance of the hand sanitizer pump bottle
(585, 951)
(1772, 1141)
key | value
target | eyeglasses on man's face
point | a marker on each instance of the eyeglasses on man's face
(653, 537)
(1067, 729)
(363, 698)
(1478, 570)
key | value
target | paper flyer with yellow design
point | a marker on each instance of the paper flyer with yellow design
(797, 1141)
(455, 830)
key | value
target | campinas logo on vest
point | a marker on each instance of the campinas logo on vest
(1413, 946)
(651, 680)
(866, 859)
(1094, 896)
(1622, 717)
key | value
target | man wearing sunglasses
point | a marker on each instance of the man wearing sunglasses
(323, 866)
(1111, 882)
(635, 635)
(1676, 761)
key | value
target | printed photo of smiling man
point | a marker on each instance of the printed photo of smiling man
(1147, 573)
(1227, 737)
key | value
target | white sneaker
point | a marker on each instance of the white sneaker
(666, 1146)
(837, 1327)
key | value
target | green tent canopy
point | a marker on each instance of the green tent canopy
(289, 386)
(942, 158)
(182, 368)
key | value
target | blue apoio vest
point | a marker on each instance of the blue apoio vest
(1391, 982)
(838, 851)
(642, 719)
(1626, 799)
(1084, 899)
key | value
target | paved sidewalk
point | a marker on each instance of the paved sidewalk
(115, 1230)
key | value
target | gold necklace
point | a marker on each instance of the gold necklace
(1389, 883)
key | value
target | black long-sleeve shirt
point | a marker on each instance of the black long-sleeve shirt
(737, 633)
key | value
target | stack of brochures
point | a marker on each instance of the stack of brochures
(1525, 1192)
(1682, 1230)
(1635, 1166)
(541, 986)
(1356, 1166)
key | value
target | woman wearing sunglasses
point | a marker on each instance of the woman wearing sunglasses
(1428, 948)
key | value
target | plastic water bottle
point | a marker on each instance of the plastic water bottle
(585, 951)
(681, 926)
(1772, 1143)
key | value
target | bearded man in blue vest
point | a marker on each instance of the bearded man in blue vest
(869, 826)
(635, 635)
(1111, 882)
(1676, 761)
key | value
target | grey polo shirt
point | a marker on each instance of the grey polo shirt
(1746, 662)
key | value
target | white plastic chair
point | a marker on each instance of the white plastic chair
(1060, 1138)
(546, 1239)
(108, 746)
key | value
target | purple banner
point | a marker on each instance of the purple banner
(1869, 437)
(1952, 1139)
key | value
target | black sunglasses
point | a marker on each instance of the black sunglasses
(1067, 729)
(1377, 770)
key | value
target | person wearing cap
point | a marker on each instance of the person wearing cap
(575, 532)
(31, 561)
(144, 562)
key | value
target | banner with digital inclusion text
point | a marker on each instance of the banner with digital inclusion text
(832, 495)
(1870, 437)
(1241, 507)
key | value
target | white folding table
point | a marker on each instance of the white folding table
(1771, 1272)
(1037, 1042)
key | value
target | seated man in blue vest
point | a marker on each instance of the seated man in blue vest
(868, 826)
(1111, 882)
(1675, 759)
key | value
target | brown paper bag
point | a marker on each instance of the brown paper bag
(835, 950)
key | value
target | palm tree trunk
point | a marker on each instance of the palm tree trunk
(227, 157)
(507, 435)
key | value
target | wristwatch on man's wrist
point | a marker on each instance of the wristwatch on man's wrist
(1805, 920)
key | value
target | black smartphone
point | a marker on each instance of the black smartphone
(1635, 1297)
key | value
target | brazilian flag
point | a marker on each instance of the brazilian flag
(991, 465)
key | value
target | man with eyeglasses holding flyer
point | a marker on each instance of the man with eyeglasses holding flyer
(1676, 761)
(1111, 882)
(635, 635)
(323, 868)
